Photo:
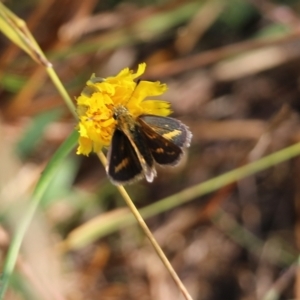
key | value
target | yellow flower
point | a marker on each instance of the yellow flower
(100, 97)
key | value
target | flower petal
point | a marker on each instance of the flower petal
(156, 107)
(85, 146)
(147, 89)
(141, 70)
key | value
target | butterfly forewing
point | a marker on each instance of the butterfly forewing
(124, 165)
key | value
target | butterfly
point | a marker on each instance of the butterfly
(138, 143)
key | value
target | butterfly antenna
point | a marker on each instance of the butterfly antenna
(137, 83)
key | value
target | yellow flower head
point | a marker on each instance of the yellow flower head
(100, 97)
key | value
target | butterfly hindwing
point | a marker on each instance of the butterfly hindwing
(163, 150)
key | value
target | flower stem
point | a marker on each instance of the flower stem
(61, 89)
(149, 235)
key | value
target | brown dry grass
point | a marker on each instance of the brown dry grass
(238, 94)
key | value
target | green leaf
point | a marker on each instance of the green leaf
(62, 182)
(34, 133)
(42, 185)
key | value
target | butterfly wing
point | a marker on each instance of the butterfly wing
(134, 147)
(123, 163)
(159, 139)
(137, 138)
(170, 129)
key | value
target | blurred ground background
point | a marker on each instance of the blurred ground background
(233, 70)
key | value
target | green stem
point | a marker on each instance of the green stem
(61, 89)
(221, 181)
